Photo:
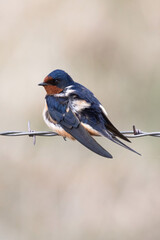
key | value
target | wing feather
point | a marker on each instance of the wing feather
(95, 120)
(60, 112)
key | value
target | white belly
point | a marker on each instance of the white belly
(52, 125)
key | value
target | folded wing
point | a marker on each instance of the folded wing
(61, 112)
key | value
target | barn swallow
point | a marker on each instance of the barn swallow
(72, 111)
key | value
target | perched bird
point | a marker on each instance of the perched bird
(73, 112)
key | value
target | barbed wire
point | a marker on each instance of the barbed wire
(135, 133)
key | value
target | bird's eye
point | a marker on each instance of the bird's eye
(56, 81)
(53, 81)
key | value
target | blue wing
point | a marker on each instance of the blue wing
(95, 117)
(60, 111)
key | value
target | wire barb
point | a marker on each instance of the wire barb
(34, 136)
(138, 133)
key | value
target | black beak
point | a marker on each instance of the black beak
(42, 84)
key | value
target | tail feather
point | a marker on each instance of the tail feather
(110, 127)
(116, 140)
(123, 145)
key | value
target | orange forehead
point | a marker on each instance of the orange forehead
(47, 78)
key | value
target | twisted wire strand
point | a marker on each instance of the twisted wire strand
(128, 134)
(135, 133)
(30, 133)
(131, 134)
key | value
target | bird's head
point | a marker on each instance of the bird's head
(56, 81)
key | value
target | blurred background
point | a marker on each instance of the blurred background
(61, 190)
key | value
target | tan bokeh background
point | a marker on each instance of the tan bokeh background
(61, 190)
